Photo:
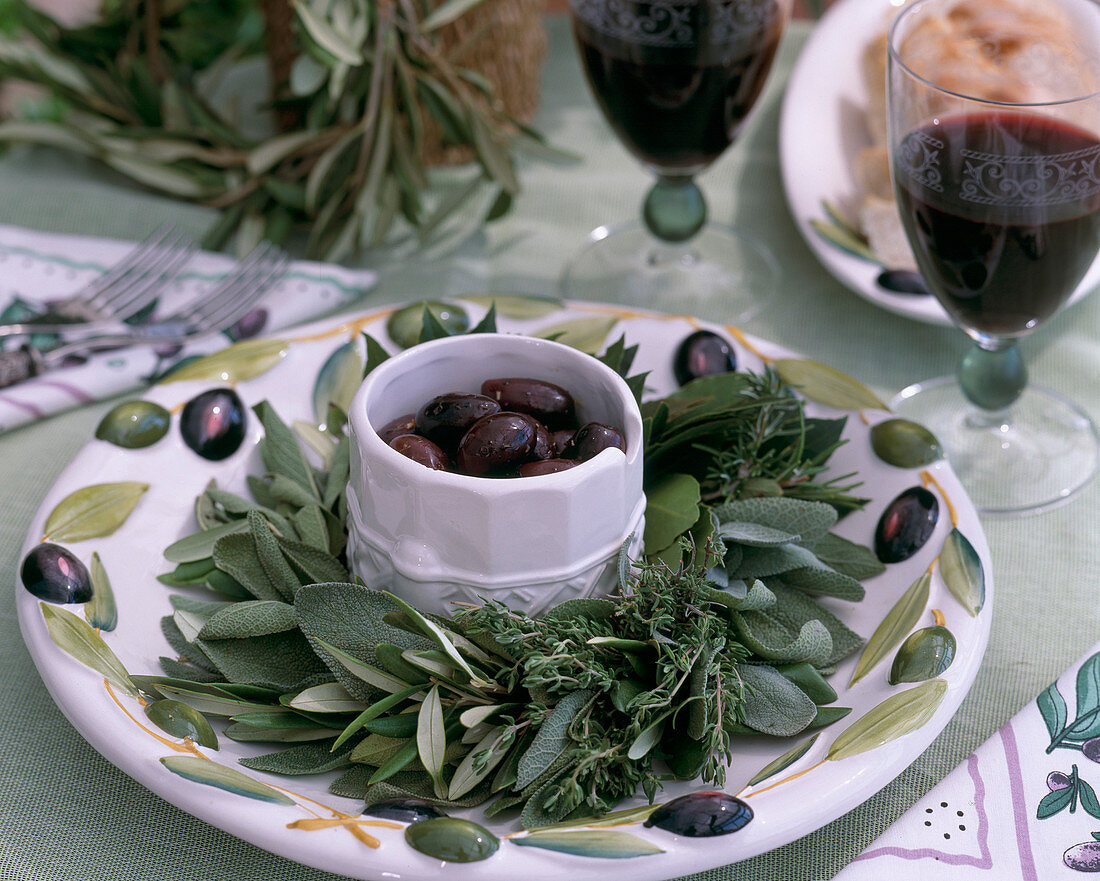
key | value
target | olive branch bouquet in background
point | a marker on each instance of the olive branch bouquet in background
(366, 94)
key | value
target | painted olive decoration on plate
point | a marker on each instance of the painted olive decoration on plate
(1084, 857)
(1056, 780)
(550, 404)
(703, 353)
(925, 654)
(421, 450)
(452, 839)
(902, 281)
(446, 418)
(905, 444)
(906, 525)
(404, 810)
(592, 438)
(180, 720)
(497, 443)
(701, 815)
(134, 424)
(1091, 749)
(213, 423)
(53, 574)
(406, 324)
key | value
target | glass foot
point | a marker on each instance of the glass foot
(1035, 456)
(721, 274)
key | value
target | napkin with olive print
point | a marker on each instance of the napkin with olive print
(37, 268)
(1024, 805)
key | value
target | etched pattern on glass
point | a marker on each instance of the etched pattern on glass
(679, 24)
(919, 156)
(1029, 181)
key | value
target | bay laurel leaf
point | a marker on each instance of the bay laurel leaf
(608, 844)
(898, 715)
(209, 773)
(93, 511)
(236, 363)
(962, 572)
(586, 334)
(827, 385)
(902, 618)
(672, 506)
(101, 611)
(74, 635)
(784, 761)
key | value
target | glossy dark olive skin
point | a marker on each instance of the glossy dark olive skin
(906, 524)
(421, 450)
(404, 810)
(395, 428)
(592, 438)
(545, 466)
(496, 443)
(53, 574)
(703, 354)
(550, 404)
(544, 441)
(701, 815)
(446, 418)
(561, 440)
(213, 423)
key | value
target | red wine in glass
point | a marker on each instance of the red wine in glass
(1002, 209)
(677, 87)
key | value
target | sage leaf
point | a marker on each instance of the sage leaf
(1052, 707)
(811, 521)
(306, 758)
(236, 363)
(754, 534)
(827, 385)
(281, 453)
(328, 697)
(278, 571)
(74, 635)
(180, 720)
(200, 545)
(847, 557)
(784, 761)
(586, 334)
(212, 774)
(902, 618)
(278, 660)
(246, 619)
(237, 557)
(93, 511)
(771, 637)
(962, 572)
(552, 737)
(772, 704)
(101, 611)
(898, 715)
(672, 507)
(608, 844)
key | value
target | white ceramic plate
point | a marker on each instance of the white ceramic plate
(821, 130)
(132, 559)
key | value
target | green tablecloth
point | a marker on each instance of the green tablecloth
(67, 813)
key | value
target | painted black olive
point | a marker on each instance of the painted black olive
(1084, 857)
(1057, 780)
(902, 281)
(545, 466)
(703, 354)
(1091, 749)
(906, 524)
(395, 428)
(446, 418)
(421, 450)
(495, 443)
(404, 810)
(701, 815)
(550, 404)
(213, 423)
(53, 574)
(593, 438)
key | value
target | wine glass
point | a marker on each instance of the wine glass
(994, 132)
(676, 80)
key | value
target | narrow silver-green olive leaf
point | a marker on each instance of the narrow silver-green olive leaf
(337, 380)
(586, 334)
(75, 636)
(208, 702)
(784, 761)
(329, 697)
(902, 618)
(608, 844)
(211, 773)
(101, 611)
(366, 672)
(326, 36)
(895, 717)
(479, 761)
(614, 818)
(240, 361)
(431, 739)
(962, 572)
(924, 655)
(827, 385)
(133, 425)
(93, 511)
(180, 720)
(843, 239)
(648, 739)
(374, 711)
(436, 633)
(518, 306)
(905, 444)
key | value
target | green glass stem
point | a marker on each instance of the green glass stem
(993, 378)
(674, 209)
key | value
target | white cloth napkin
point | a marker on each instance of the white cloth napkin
(37, 267)
(1024, 805)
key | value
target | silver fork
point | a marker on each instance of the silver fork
(216, 310)
(121, 292)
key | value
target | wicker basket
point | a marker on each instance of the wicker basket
(510, 57)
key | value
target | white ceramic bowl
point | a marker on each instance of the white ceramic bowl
(435, 537)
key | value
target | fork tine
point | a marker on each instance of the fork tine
(127, 299)
(224, 290)
(120, 270)
(233, 308)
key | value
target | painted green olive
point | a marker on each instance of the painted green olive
(925, 654)
(452, 839)
(134, 424)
